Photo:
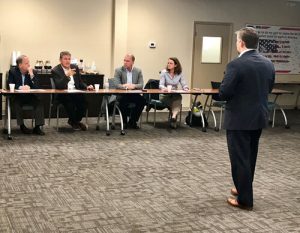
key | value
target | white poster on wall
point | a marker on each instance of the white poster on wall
(281, 44)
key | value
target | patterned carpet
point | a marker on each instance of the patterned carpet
(150, 180)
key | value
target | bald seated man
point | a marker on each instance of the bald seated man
(25, 78)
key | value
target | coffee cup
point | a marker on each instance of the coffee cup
(97, 86)
(12, 87)
(169, 88)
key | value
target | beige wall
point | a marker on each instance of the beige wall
(171, 24)
(94, 31)
(41, 29)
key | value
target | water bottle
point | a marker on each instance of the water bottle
(106, 84)
(81, 66)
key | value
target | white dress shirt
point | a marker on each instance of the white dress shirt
(129, 76)
(71, 83)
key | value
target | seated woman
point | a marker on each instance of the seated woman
(172, 76)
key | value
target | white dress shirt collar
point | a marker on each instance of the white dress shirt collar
(246, 50)
(71, 83)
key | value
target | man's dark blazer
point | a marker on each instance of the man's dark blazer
(61, 80)
(15, 76)
(247, 82)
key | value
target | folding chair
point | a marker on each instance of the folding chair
(153, 101)
(216, 102)
(108, 108)
(272, 106)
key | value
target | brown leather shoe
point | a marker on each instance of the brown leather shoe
(25, 130)
(75, 126)
(38, 131)
(173, 123)
(233, 202)
(82, 126)
(133, 126)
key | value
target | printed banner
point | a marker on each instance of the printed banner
(282, 45)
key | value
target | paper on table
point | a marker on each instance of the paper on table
(178, 91)
(31, 90)
(135, 91)
(22, 90)
(37, 90)
(70, 91)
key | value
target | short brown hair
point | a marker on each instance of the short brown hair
(131, 56)
(249, 36)
(178, 68)
(64, 53)
(19, 59)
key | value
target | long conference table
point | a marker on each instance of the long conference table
(195, 91)
(291, 83)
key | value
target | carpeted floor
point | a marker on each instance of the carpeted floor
(150, 180)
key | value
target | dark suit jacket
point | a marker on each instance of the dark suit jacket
(61, 80)
(120, 77)
(15, 76)
(247, 82)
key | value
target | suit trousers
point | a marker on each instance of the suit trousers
(134, 113)
(75, 106)
(32, 100)
(243, 149)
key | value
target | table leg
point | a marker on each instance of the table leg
(107, 116)
(201, 114)
(193, 105)
(121, 120)
(282, 111)
(205, 103)
(298, 95)
(9, 137)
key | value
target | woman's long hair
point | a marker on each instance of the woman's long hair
(178, 68)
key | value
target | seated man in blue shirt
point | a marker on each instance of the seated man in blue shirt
(24, 79)
(130, 78)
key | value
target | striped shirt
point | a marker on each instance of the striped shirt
(166, 79)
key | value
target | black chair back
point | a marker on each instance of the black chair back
(52, 83)
(151, 84)
(53, 97)
(215, 85)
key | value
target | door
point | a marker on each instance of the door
(205, 69)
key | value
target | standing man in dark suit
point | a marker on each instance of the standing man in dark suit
(247, 82)
(130, 78)
(67, 76)
(25, 79)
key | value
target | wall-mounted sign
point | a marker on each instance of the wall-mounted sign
(282, 45)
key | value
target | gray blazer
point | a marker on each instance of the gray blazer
(120, 77)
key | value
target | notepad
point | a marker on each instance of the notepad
(135, 91)
(73, 91)
(37, 90)
(30, 90)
